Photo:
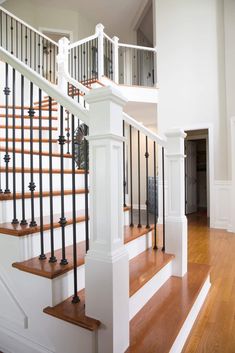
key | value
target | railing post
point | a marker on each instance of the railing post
(176, 221)
(155, 67)
(63, 64)
(100, 32)
(232, 226)
(106, 262)
(116, 60)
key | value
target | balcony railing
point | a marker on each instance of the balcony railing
(99, 55)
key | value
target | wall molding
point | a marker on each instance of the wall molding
(222, 202)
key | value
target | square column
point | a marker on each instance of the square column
(107, 262)
(176, 221)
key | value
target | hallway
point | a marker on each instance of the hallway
(214, 330)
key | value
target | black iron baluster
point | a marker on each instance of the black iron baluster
(23, 221)
(46, 53)
(21, 42)
(75, 64)
(84, 63)
(1, 26)
(50, 51)
(87, 61)
(34, 50)
(42, 255)
(39, 54)
(52, 257)
(86, 187)
(14, 220)
(139, 193)
(17, 39)
(63, 220)
(76, 298)
(163, 198)
(32, 185)
(124, 165)
(7, 156)
(68, 131)
(131, 179)
(26, 45)
(30, 48)
(155, 195)
(147, 177)
(11, 36)
(6, 32)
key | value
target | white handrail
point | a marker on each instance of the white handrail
(82, 41)
(110, 39)
(76, 83)
(27, 25)
(131, 121)
(52, 91)
(137, 47)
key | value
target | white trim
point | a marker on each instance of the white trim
(76, 83)
(131, 121)
(82, 41)
(210, 201)
(27, 25)
(67, 102)
(192, 316)
(110, 39)
(57, 31)
(140, 47)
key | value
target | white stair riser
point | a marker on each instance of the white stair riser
(7, 206)
(30, 245)
(45, 146)
(45, 180)
(142, 296)
(137, 246)
(45, 161)
(45, 133)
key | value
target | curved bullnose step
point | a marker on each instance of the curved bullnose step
(163, 324)
(73, 313)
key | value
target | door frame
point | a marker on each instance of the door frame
(210, 164)
(57, 30)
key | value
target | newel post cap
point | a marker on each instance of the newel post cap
(105, 94)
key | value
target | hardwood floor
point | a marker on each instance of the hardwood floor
(214, 330)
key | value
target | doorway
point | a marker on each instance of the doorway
(196, 172)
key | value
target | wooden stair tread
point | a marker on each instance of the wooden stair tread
(132, 233)
(44, 170)
(49, 270)
(27, 195)
(73, 313)
(22, 230)
(156, 326)
(26, 108)
(18, 127)
(43, 153)
(145, 265)
(27, 117)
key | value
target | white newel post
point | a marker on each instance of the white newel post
(176, 221)
(63, 64)
(100, 33)
(106, 263)
(115, 60)
(233, 174)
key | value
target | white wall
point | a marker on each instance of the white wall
(191, 72)
(229, 16)
(51, 17)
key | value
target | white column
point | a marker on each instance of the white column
(100, 32)
(106, 263)
(63, 63)
(233, 174)
(176, 221)
(116, 60)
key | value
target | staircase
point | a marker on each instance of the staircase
(81, 260)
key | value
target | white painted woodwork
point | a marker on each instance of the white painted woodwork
(106, 263)
(176, 221)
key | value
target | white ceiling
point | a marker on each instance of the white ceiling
(116, 15)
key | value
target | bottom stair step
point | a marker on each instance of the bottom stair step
(158, 324)
(73, 313)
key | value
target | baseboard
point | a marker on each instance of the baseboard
(191, 318)
(12, 342)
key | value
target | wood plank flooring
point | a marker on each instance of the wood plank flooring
(214, 330)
